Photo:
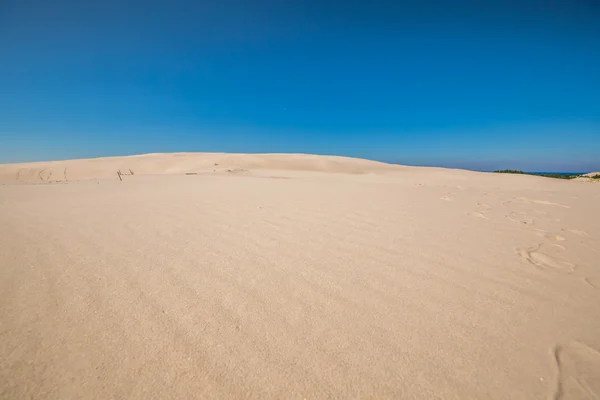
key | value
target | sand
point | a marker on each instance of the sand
(293, 277)
(589, 177)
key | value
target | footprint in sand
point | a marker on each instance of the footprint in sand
(578, 372)
(477, 214)
(544, 202)
(544, 261)
(577, 232)
(555, 238)
(447, 197)
(520, 217)
(593, 282)
(484, 207)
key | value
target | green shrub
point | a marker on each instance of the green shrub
(555, 176)
(510, 171)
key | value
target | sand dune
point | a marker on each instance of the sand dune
(180, 163)
(588, 177)
(295, 276)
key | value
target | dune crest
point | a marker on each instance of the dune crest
(181, 163)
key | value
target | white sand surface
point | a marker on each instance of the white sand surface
(588, 177)
(295, 277)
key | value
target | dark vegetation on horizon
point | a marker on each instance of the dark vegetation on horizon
(557, 176)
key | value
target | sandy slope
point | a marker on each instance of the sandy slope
(283, 282)
(588, 177)
(179, 163)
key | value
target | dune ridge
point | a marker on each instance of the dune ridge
(178, 163)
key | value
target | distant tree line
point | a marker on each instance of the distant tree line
(557, 176)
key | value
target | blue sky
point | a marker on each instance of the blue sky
(480, 85)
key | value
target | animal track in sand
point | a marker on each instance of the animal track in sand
(544, 261)
(578, 372)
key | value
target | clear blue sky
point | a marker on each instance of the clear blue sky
(481, 85)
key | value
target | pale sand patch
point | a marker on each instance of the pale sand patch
(354, 284)
(588, 177)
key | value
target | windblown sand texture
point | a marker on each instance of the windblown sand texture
(223, 276)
